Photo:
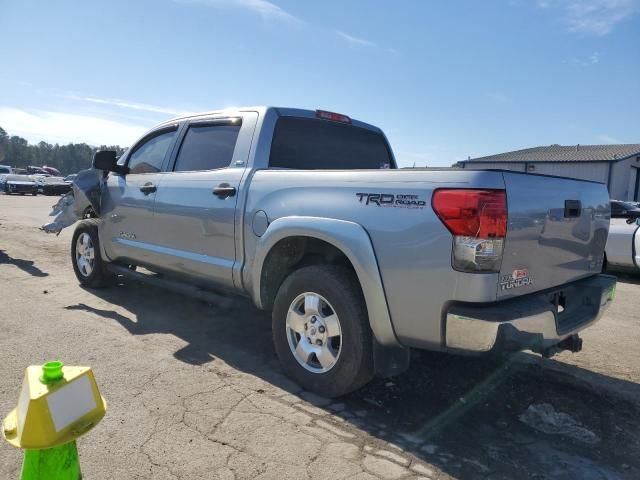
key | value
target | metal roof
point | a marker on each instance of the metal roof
(563, 153)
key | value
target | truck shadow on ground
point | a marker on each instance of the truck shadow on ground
(624, 277)
(459, 414)
(24, 265)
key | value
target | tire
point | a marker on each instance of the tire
(352, 354)
(34, 194)
(89, 273)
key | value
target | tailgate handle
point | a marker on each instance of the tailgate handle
(572, 208)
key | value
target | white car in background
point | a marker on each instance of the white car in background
(622, 251)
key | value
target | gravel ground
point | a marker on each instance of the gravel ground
(195, 391)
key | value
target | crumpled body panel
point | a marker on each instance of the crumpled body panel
(86, 193)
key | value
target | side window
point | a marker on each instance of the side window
(207, 147)
(149, 156)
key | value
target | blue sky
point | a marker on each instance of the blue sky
(445, 79)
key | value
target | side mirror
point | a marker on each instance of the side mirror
(107, 160)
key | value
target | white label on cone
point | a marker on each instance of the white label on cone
(23, 404)
(71, 402)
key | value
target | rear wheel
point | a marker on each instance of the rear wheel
(321, 330)
(88, 265)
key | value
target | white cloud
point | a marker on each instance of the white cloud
(355, 41)
(604, 138)
(596, 17)
(263, 8)
(270, 11)
(57, 127)
(590, 60)
(498, 97)
(116, 102)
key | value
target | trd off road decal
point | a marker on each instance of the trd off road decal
(519, 278)
(391, 200)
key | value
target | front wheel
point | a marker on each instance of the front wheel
(88, 265)
(321, 330)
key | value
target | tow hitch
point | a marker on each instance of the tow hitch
(572, 343)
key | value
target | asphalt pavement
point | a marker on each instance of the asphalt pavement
(195, 391)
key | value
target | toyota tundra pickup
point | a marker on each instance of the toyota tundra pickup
(306, 213)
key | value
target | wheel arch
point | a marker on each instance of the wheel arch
(334, 238)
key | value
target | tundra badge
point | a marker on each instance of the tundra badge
(519, 278)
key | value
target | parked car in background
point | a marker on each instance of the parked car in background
(5, 169)
(622, 251)
(21, 184)
(52, 171)
(70, 178)
(33, 170)
(39, 179)
(621, 209)
(53, 186)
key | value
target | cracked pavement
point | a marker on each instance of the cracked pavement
(194, 391)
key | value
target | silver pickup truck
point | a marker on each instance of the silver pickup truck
(307, 213)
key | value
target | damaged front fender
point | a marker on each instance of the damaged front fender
(84, 201)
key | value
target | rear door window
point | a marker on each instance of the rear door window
(207, 147)
(307, 144)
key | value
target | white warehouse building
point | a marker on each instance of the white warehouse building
(618, 166)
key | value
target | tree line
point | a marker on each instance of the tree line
(16, 151)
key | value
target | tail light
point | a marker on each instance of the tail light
(478, 221)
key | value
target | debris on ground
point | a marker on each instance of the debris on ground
(544, 418)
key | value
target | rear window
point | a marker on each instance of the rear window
(5, 170)
(308, 144)
(207, 147)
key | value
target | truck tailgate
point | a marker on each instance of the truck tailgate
(556, 232)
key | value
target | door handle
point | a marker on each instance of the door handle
(148, 188)
(224, 190)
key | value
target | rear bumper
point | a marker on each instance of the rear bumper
(537, 321)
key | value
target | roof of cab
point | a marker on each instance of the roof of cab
(262, 110)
